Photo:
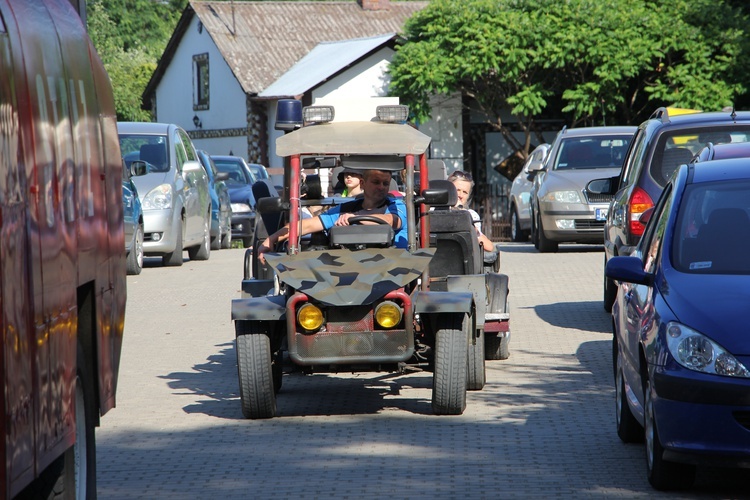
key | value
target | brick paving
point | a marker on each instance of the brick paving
(543, 427)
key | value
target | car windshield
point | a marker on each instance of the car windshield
(713, 229)
(237, 174)
(605, 151)
(678, 147)
(149, 148)
(259, 172)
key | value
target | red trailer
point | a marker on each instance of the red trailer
(62, 259)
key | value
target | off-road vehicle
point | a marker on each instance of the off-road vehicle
(348, 299)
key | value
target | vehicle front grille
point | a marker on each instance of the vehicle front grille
(598, 198)
(589, 224)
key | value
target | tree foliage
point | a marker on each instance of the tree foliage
(595, 62)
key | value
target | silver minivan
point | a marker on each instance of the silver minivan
(174, 192)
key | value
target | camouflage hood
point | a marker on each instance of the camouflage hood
(347, 278)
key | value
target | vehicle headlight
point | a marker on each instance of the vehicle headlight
(562, 197)
(159, 198)
(388, 314)
(697, 352)
(241, 207)
(310, 317)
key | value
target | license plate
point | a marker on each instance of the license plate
(601, 213)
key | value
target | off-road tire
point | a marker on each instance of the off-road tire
(451, 360)
(174, 258)
(255, 370)
(477, 375)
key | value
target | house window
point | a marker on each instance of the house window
(200, 82)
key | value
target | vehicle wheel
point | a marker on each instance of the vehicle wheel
(247, 270)
(277, 370)
(477, 377)
(497, 347)
(534, 238)
(662, 475)
(545, 245)
(449, 377)
(80, 460)
(610, 290)
(226, 240)
(202, 251)
(516, 233)
(135, 257)
(175, 258)
(216, 242)
(628, 428)
(247, 242)
(255, 371)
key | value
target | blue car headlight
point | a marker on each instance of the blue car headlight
(159, 198)
(697, 352)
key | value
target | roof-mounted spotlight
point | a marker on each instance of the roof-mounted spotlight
(392, 114)
(317, 114)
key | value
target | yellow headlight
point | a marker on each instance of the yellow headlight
(309, 317)
(388, 314)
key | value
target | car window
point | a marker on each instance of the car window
(188, 144)
(606, 151)
(149, 148)
(634, 158)
(677, 147)
(179, 150)
(651, 243)
(237, 174)
(713, 229)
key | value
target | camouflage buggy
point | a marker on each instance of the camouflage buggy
(349, 300)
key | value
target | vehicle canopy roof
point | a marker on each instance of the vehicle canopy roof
(354, 138)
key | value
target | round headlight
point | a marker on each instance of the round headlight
(388, 314)
(309, 317)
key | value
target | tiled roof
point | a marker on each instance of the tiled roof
(262, 40)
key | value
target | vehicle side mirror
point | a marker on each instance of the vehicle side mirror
(603, 186)
(628, 269)
(435, 196)
(138, 167)
(271, 205)
(221, 176)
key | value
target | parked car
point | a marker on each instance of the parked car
(723, 151)
(239, 183)
(561, 209)
(173, 192)
(221, 205)
(520, 193)
(259, 171)
(133, 217)
(681, 353)
(661, 144)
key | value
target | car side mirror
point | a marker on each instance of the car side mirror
(221, 176)
(603, 186)
(435, 196)
(271, 205)
(138, 167)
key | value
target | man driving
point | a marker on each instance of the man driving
(376, 202)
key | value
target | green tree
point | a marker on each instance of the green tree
(592, 61)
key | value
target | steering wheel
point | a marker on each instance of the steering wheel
(358, 219)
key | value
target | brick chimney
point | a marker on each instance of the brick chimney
(374, 4)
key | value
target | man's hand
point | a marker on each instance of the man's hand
(264, 247)
(343, 219)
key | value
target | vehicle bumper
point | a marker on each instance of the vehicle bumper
(163, 222)
(577, 223)
(703, 419)
(243, 225)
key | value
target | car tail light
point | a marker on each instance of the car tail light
(640, 201)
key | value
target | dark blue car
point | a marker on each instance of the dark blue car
(133, 217)
(221, 209)
(681, 349)
(239, 182)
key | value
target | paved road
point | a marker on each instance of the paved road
(542, 427)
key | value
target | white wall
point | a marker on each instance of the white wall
(446, 130)
(227, 107)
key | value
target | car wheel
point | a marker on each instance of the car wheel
(202, 251)
(135, 257)
(477, 375)
(545, 245)
(516, 233)
(247, 242)
(226, 240)
(277, 370)
(174, 258)
(449, 377)
(497, 347)
(628, 428)
(534, 239)
(216, 242)
(610, 290)
(662, 475)
(255, 370)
